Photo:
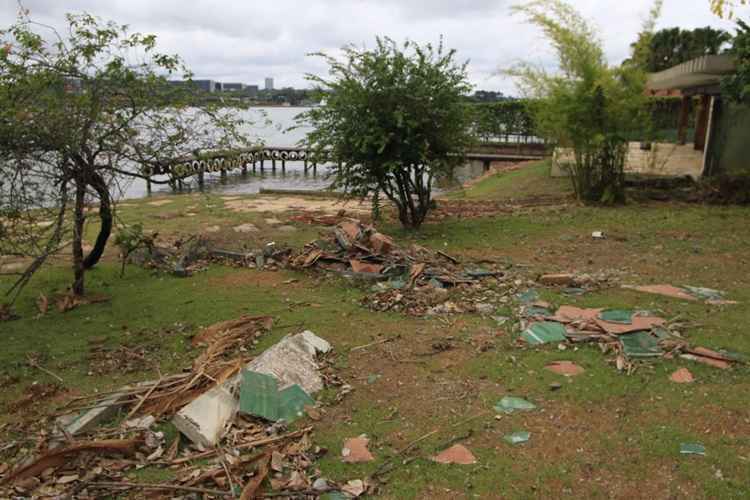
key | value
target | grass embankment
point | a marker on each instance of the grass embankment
(604, 434)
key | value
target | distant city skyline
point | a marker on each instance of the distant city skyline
(221, 45)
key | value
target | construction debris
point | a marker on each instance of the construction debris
(692, 449)
(291, 361)
(517, 437)
(355, 450)
(511, 404)
(456, 454)
(236, 452)
(567, 368)
(682, 376)
(628, 334)
(691, 293)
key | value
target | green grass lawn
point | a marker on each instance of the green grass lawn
(602, 435)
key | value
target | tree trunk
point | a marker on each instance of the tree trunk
(105, 215)
(79, 217)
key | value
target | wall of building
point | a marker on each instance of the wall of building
(729, 144)
(663, 159)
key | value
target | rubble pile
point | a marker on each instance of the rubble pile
(233, 412)
(629, 335)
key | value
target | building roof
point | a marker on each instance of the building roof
(704, 71)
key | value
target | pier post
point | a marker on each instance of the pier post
(305, 162)
(261, 165)
(283, 166)
(273, 164)
(223, 174)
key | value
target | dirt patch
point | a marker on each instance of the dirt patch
(250, 277)
(34, 395)
(159, 203)
(296, 203)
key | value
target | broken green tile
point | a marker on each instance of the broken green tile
(509, 404)
(640, 345)
(574, 291)
(704, 293)
(537, 311)
(692, 449)
(291, 403)
(517, 437)
(544, 332)
(622, 316)
(530, 295)
(260, 396)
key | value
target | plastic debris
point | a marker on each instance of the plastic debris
(510, 404)
(456, 454)
(517, 437)
(598, 235)
(692, 449)
(544, 332)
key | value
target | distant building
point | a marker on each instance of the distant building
(204, 85)
(269, 83)
(233, 87)
(251, 90)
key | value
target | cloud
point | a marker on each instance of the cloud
(237, 40)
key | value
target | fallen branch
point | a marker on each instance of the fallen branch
(253, 485)
(260, 442)
(56, 458)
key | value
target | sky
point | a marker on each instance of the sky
(246, 41)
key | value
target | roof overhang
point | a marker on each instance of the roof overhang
(704, 71)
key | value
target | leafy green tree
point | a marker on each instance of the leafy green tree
(393, 119)
(587, 105)
(80, 115)
(737, 85)
(671, 46)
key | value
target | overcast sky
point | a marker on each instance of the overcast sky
(247, 40)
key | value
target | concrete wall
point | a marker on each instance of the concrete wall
(664, 159)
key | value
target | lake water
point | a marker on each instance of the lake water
(271, 126)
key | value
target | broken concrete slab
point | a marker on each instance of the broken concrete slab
(205, 420)
(80, 423)
(291, 361)
(456, 454)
